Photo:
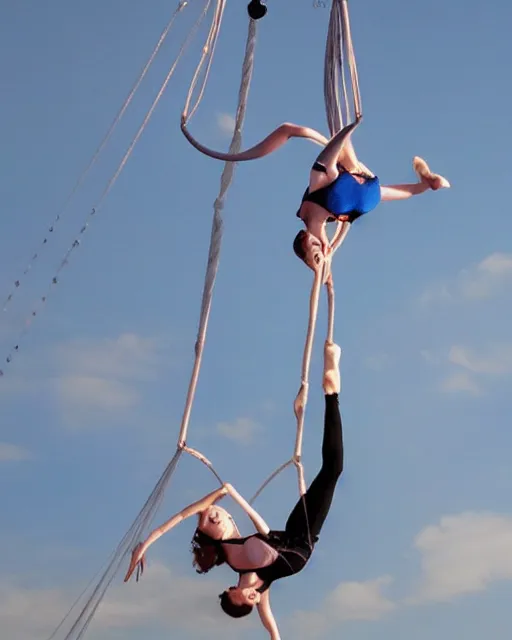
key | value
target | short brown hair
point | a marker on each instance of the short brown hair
(298, 245)
(232, 609)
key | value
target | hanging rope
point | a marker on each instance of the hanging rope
(113, 179)
(301, 399)
(339, 46)
(258, 150)
(338, 49)
(217, 224)
(152, 504)
(53, 225)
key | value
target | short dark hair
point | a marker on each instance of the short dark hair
(207, 552)
(298, 245)
(234, 610)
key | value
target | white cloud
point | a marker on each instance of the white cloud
(92, 380)
(487, 278)
(172, 602)
(127, 357)
(484, 280)
(472, 366)
(360, 600)
(226, 123)
(497, 360)
(30, 614)
(100, 379)
(348, 601)
(85, 392)
(242, 430)
(463, 554)
(460, 382)
(13, 453)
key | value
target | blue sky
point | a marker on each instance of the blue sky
(419, 540)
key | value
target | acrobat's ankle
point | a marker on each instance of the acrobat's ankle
(332, 377)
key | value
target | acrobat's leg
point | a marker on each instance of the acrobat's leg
(433, 180)
(311, 510)
(340, 149)
(332, 379)
(348, 158)
(330, 156)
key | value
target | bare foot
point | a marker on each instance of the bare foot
(332, 378)
(434, 180)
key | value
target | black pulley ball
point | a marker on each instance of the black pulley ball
(256, 9)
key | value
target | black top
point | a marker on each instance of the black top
(293, 555)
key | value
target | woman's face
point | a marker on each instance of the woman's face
(246, 595)
(217, 523)
(313, 250)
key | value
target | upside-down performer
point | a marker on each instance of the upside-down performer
(340, 187)
(268, 555)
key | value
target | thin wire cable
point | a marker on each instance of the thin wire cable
(51, 228)
(149, 509)
(127, 543)
(208, 51)
(76, 243)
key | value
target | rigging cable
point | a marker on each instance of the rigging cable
(113, 179)
(52, 226)
(149, 509)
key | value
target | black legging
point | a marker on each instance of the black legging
(309, 514)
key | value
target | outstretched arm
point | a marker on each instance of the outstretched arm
(271, 143)
(257, 520)
(267, 617)
(191, 510)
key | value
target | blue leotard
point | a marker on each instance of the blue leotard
(346, 196)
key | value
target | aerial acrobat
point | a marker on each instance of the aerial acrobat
(268, 555)
(340, 187)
